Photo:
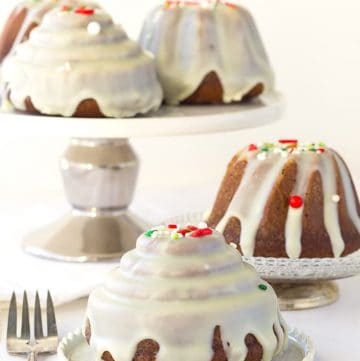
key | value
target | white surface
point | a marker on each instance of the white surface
(75, 348)
(168, 121)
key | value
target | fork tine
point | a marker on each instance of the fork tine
(50, 315)
(25, 321)
(37, 318)
(12, 318)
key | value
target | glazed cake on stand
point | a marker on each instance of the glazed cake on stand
(184, 294)
(292, 210)
(288, 199)
(207, 52)
(77, 62)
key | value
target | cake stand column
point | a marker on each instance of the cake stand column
(99, 177)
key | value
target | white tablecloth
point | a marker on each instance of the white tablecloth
(334, 329)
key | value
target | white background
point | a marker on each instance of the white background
(314, 46)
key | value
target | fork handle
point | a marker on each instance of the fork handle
(32, 356)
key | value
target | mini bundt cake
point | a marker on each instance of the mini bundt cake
(288, 200)
(207, 52)
(184, 294)
(26, 16)
(78, 63)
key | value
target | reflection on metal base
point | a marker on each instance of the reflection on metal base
(84, 237)
(301, 296)
(99, 178)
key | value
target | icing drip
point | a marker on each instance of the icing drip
(349, 192)
(331, 217)
(68, 63)
(293, 228)
(189, 42)
(264, 164)
(175, 292)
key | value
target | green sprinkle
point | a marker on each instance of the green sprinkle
(150, 233)
(175, 236)
(262, 287)
(264, 149)
(322, 144)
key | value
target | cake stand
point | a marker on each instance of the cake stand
(99, 170)
(299, 283)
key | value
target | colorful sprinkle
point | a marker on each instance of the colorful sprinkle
(175, 236)
(172, 226)
(150, 233)
(201, 232)
(202, 225)
(296, 202)
(262, 287)
(65, 8)
(252, 147)
(261, 156)
(94, 28)
(288, 141)
(336, 198)
(84, 11)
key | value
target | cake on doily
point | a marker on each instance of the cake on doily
(77, 62)
(26, 16)
(184, 294)
(207, 52)
(288, 199)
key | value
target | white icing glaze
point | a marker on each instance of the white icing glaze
(63, 64)
(189, 42)
(176, 292)
(261, 173)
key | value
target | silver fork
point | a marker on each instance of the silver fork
(28, 343)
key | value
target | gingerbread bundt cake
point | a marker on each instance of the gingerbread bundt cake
(78, 63)
(26, 16)
(184, 294)
(288, 200)
(207, 52)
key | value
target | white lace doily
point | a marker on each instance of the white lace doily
(285, 269)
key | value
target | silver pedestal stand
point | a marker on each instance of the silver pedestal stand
(99, 170)
(99, 178)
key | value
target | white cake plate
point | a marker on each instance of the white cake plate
(100, 168)
(168, 121)
(75, 348)
(299, 283)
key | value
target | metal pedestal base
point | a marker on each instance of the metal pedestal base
(300, 296)
(80, 237)
(99, 179)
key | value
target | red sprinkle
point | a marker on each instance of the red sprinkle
(252, 147)
(288, 141)
(84, 11)
(296, 202)
(191, 228)
(321, 150)
(172, 226)
(65, 8)
(201, 232)
(231, 5)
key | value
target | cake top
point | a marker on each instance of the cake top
(206, 4)
(285, 148)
